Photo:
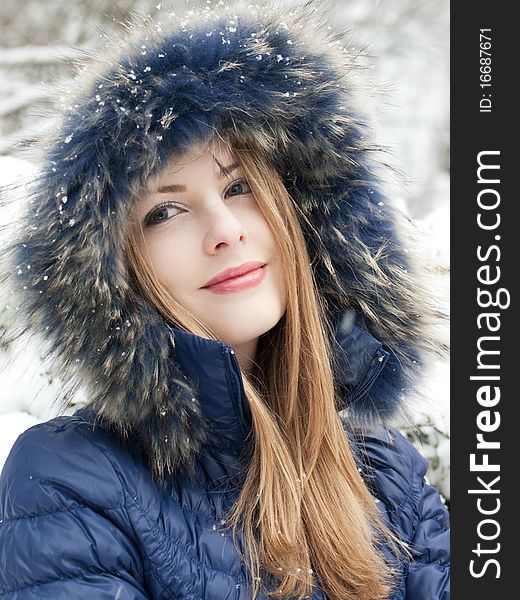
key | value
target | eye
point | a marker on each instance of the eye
(238, 188)
(160, 213)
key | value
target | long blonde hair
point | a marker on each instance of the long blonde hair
(303, 504)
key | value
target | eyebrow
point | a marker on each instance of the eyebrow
(179, 187)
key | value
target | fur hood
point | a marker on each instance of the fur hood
(282, 79)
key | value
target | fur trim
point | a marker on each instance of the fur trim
(279, 79)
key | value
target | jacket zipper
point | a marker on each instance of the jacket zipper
(380, 360)
(239, 386)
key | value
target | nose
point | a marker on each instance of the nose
(224, 228)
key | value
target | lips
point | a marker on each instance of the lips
(234, 272)
(248, 280)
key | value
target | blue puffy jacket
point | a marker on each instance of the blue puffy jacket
(81, 516)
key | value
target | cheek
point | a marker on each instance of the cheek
(260, 230)
(271, 253)
(268, 240)
(170, 261)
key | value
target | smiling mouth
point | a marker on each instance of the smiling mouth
(235, 284)
(234, 272)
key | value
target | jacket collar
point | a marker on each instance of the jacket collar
(213, 367)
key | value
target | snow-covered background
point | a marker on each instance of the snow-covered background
(408, 58)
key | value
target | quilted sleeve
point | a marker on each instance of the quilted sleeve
(63, 531)
(395, 473)
(429, 572)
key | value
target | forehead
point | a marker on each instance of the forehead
(215, 156)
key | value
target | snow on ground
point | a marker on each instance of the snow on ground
(27, 395)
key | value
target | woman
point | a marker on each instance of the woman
(209, 258)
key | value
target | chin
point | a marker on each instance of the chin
(247, 329)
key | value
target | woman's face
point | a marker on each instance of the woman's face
(200, 220)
